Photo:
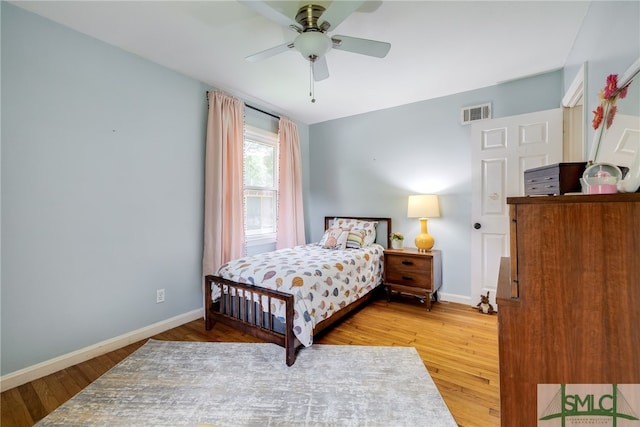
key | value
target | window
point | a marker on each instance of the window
(260, 185)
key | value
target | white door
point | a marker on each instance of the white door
(621, 142)
(502, 150)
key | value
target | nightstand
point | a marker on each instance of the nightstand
(409, 271)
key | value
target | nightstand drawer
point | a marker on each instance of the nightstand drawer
(408, 263)
(414, 279)
(409, 271)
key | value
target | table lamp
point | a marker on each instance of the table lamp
(423, 206)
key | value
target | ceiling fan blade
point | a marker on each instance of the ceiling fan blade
(338, 11)
(269, 52)
(361, 46)
(320, 69)
(270, 13)
(370, 6)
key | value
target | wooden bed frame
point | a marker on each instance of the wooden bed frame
(258, 321)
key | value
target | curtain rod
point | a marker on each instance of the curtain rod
(262, 111)
(256, 109)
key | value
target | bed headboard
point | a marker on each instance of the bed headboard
(383, 230)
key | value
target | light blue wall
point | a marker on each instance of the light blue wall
(369, 164)
(608, 42)
(102, 186)
(102, 171)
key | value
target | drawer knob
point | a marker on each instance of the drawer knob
(407, 278)
(407, 262)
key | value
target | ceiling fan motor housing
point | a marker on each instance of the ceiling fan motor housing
(312, 42)
(308, 16)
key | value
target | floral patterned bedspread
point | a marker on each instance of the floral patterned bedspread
(322, 280)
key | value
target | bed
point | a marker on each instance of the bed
(289, 296)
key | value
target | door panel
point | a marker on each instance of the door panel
(494, 138)
(621, 141)
(492, 246)
(494, 174)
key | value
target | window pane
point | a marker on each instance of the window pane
(260, 206)
(259, 161)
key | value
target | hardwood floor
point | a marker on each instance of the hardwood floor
(458, 345)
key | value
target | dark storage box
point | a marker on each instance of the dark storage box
(559, 178)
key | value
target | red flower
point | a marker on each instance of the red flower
(608, 96)
(597, 117)
(611, 86)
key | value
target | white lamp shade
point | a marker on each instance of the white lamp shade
(312, 44)
(423, 206)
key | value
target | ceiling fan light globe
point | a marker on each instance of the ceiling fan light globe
(312, 44)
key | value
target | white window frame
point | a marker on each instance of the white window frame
(266, 137)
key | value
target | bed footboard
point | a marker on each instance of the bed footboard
(248, 308)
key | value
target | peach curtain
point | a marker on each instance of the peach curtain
(223, 199)
(290, 212)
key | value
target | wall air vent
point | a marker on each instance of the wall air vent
(477, 112)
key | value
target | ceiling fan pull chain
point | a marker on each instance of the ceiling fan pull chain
(311, 86)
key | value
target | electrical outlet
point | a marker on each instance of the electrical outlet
(159, 296)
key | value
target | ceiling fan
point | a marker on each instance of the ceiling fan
(312, 23)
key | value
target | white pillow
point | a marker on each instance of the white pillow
(357, 224)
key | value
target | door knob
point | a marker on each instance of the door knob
(477, 226)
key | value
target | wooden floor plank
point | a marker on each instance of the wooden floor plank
(51, 393)
(68, 384)
(78, 376)
(32, 401)
(14, 410)
(458, 346)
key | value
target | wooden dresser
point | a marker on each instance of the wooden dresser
(412, 272)
(568, 298)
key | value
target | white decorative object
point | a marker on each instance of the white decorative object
(602, 178)
(397, 244)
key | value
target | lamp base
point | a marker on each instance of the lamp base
(424, 242)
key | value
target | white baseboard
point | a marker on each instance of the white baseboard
(460, 299)
(48, 367)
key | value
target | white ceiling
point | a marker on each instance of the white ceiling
(437, 48)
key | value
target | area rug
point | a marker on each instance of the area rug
(170, 383)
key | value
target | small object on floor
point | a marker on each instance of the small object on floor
(484, 306)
